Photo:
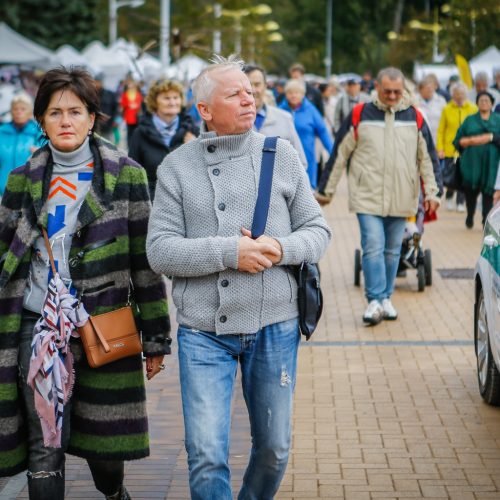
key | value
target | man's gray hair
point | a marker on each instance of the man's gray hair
(482, 76)
(391, 73)
(204, 84)
(458, 86)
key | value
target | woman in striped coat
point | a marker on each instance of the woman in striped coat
(94, 203)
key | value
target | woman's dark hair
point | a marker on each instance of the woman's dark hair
(484, 92)
(77, 80)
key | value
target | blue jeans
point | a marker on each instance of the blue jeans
(208, 365)
(381, 239)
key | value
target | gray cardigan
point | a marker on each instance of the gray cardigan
(205, 194)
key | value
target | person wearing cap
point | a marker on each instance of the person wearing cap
(348, 100)
(297, 72)
(271, 121)
(367, 84)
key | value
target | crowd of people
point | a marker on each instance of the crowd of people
(180, 204)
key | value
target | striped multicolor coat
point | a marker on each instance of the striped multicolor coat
(108, 419)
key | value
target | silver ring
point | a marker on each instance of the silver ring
(162, 366)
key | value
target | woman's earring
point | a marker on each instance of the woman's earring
(90, 132)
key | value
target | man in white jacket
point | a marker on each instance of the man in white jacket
(271, 121)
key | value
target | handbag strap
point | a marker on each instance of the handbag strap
(99, 334)
(265, 183)
(49, 250)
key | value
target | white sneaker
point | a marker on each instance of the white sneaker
(461, 208)
(374, 313)
(450, 205)
(390, 312)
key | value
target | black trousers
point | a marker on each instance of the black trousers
(471, 201)
(46, 465)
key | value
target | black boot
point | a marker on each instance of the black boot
(122, 494)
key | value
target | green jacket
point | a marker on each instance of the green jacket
(479, 164)
(108, 419)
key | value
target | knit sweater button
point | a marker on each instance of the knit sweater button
(224, 283)
(216, 171)
(223, 319)
(222, 206)
(211, 148)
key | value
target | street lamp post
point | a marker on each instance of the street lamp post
(328, 57)
(435, 27)
(217, 45)
(267, 30)
(261, 10)
(165, 33)
(114, 5)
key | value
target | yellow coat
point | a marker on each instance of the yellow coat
(451, 118)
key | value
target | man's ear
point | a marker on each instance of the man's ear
(203, 109)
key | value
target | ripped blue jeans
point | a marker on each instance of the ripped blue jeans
(208, 365)
(46, 464)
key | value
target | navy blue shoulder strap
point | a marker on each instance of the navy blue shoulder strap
(265, 184)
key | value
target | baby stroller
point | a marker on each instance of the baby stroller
(413, 255)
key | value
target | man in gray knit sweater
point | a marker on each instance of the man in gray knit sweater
(236, 299)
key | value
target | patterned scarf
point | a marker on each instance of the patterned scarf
(51, 373)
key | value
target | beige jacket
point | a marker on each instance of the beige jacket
(385, 163)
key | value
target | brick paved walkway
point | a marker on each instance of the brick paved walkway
(389, 412)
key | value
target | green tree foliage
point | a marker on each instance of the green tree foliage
(467, 28)
(53, 23)
(359, 41)
(470, 27)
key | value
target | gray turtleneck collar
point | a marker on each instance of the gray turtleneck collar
(217, 148)
(79, 156)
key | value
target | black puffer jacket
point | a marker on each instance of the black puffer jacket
(148, 149)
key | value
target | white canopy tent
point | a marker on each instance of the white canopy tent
(67, 55)
(17, 49)
(186, 68)
(113, 67)
(442, 72)
(120, 59)
(487, 61)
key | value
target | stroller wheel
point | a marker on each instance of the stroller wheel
(421, 277)
(357, 267)
(428, 267)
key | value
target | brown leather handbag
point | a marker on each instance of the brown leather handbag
(109, 336)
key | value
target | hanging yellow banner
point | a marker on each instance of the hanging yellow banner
(463, 70)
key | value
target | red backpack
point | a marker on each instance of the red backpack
(356, 117)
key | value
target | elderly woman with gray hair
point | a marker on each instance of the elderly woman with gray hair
(18, 138)
(309, 125)
(453, 115)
